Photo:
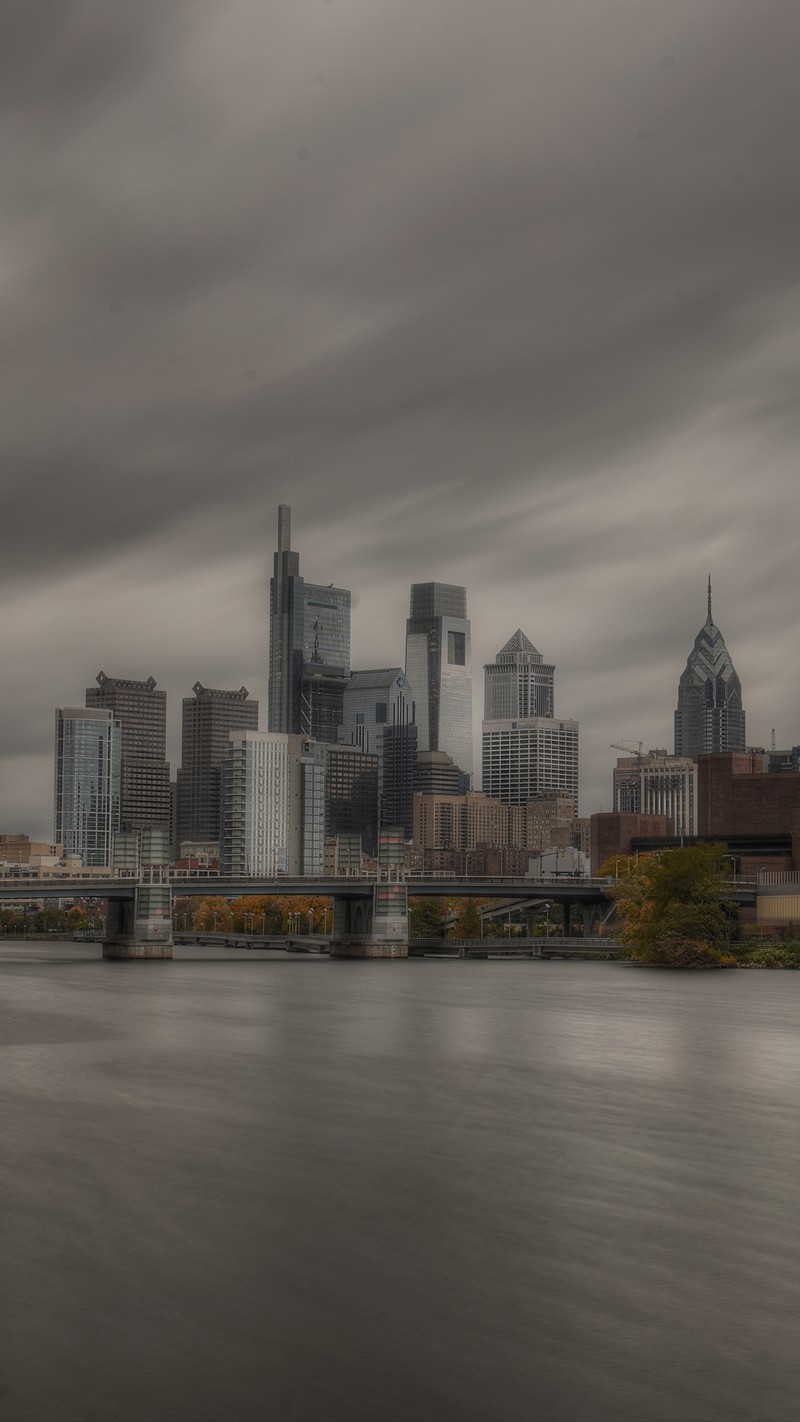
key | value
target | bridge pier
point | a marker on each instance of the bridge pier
(140, 927)
(371, 927)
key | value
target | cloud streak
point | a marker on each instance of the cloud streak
(501, 295)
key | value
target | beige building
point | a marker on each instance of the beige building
(466, 821)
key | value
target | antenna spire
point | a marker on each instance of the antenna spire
(710, 618)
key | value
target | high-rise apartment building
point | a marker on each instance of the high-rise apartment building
(709, 717)
(209, 717)
(655, 783)
(309, 648)
(87, 783)
(144, 776)
(254, 800)
(439, 668)
(519, 683)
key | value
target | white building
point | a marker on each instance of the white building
(524, 759)
(255, 804)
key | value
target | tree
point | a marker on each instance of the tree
(468, 923)
(671, 907)
(426, 917)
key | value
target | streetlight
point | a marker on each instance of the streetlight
(310, 920)
(325, 913)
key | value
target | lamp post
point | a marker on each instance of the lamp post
(311, 921)
(325, 913)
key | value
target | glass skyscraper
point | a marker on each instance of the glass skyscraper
(87, 783)
(309, 646)
(709, 715)
(439, 668)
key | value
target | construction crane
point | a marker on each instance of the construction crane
(638, 749)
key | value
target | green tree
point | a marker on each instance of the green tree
(426, 917)
(672, 909)
(468, 923)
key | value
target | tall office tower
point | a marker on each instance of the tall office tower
(526, 751)
(439, 667)
(519, 683)
(254, 802)
(655, 783)
(709, 715)
(309, 646)
(399, 762)
(209, 717)
(142, 713)
(376, 702)
(523, 759)
(351, 795)
(87, 783)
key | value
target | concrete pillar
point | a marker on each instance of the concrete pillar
(140, 927)
(372, 927)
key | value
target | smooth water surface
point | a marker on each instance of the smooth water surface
(257, 1187)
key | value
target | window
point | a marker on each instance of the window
(457, 649)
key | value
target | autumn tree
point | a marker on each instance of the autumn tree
(672, 908)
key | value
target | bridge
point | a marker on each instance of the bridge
(370, 912)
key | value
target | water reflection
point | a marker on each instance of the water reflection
(251, 1189)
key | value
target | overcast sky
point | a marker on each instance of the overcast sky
(493, 292)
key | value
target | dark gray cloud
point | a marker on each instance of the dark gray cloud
(506, 295)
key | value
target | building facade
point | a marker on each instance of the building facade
(87, 783)
(141, 710)
(254, 803)
(525, 759)
(439, 668)
(209, 717)
(309, 648)
(709, 717)
(351, 795)
(655, 783)
(518, 684)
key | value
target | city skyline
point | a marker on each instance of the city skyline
(499, 296)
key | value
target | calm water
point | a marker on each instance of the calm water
(294, 1189)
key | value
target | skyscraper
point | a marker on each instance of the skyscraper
(439, 667)
(527, 752)
(378, 711)
(209, 717)
(309, 647)
(87, 783)
(519, 683)
(254, 798)
(144, 777)
(709, 716)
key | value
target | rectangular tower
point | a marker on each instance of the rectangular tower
(87, 783)
(144, 776)
(523, 759)
(439, 667)
(209, 717)
(254, 800)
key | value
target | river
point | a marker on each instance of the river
(256, 1187)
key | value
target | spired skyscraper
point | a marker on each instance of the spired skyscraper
(709, 716)
(439, 668)
(309, 646)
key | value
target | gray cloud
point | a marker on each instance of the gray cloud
(505, 295)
